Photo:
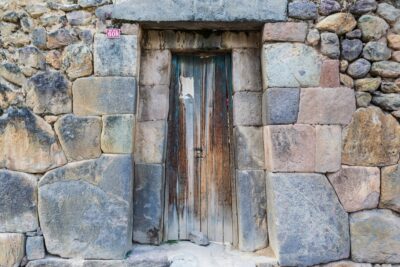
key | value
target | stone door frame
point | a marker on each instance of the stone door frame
(156, 51)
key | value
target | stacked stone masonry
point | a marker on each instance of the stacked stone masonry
(83, 127)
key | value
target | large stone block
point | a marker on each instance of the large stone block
(12, 249)
(249, 149)
(252, 210)
(49, 92)
(150, 141)
(280, 105)
(390, 188)
(79, 136)
(18, 202)
(328, 148)
(326, 105)
(155, 67)
(35, 248)
(148, 203)
(306, 223)
(118, 133)
(357, 187)
(200, 10)
(98, 96)
(371, 139)
(55, 262)
(153, 102)
(290, 65)
(85, 208)
(247, 109)
(77, 60)
(115, 57)
(285, 32)
(244, 60)
(28, 143)
(289, 148)
(375, 236)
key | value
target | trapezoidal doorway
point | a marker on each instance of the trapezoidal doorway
(199, 165)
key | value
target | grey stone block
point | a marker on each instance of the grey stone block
(280, 106)
(115, 57)
(153, 102)
(118, 133)
(99, 96)
(35, 248)
(155, 67)
(148, 203)
(307, 224)
(252, 213)
(200, 10)
(86, 208)
(150, 141)
(247, 109)
(18, 202)
(249, 147)
(244, 60)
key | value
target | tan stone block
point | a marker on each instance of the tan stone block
(12, 249)
(150, 141)
(390, 188)
(328, 148)
(357, 187)
(241, 40)
(394, 41)
(153, 102)
(155, 67)
(326, 105)
(289, 148)
(244, 60)
(346, 80)
(330, 73)
(285, 32)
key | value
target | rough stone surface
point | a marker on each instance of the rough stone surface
(368, 84)
(290, 65)
(12, 249)
(313, 37)
(303, 9)
(80, 17)
(150, 139)
(77, 61)
(330, 75)
(359, 68)
(280, 105)
(371, 139)
(285, 32)
(118, 134)
(12, 73)
(328, 148)
(198, 10)
(109, 95)
(61, 37)
(153, 102)
(248, 151)
(49, 92)
(35, 248)
(388, 12)
(29, 57)
(357, 187)
(375, 236)
(347, 263)
(390, 188)
(247, 109)
(155, 67)
(363, 6)
(355, 34)
(390, 87)
(18, 202)
(289, 148)
(85, 208)
(394, 41)
(79, 136)
(199, 238)
(351, 49)
(115, 57)
(242, 78)
(389, 102)
(386, 69)
(326, 105)
(148, 203)
(372, 27)
(305, 201)
(252, 213)
(37, 150)
(340, 23)
(346, 80)
(330, 45)
(328, 7)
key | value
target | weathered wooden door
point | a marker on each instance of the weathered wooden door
(199, 181)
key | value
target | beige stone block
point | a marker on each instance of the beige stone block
(150, 139)
(328, 148)
(246, 70)
(390, 188)
(357, 187)
(285, 32)
(326, 105)
(289, 148)
(155, 67)
(12, 248)
(241, 40)
(153, 102)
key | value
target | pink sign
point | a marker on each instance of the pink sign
(113, 33)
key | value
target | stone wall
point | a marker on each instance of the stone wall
(83, 125)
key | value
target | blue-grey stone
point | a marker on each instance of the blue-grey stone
(18, 202)
(376, 51)
(92, 3)
(363, 6)
(39, 37)
(359, 68)
(35, 248)
(303, 9)
(328, 7)
(280, 106)
(200, 10)
(249, 150)
(252, 213)
(330, 45)
(148, 203)
(307, 224)
(351, 49)
(247, 109)
(389, 102)
(86, 208)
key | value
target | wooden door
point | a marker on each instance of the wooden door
(199, 181)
